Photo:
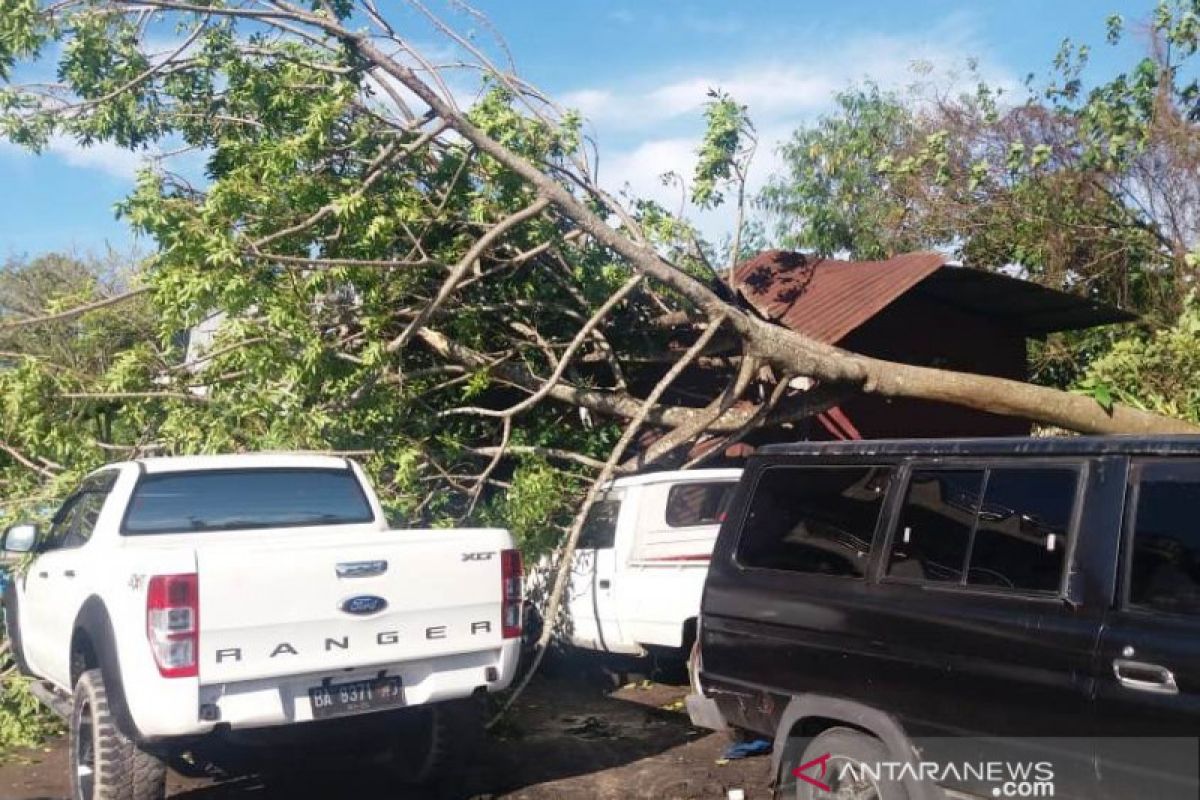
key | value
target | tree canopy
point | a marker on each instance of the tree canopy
(432, 278)
(1091, 188)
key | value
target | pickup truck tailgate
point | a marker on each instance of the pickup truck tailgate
(304, 604)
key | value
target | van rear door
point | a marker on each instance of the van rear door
(677, 526)
(592, 602)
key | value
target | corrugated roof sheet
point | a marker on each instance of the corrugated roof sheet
(824, 298)
(827, 299)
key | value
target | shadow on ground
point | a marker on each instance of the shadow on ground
(571, 736)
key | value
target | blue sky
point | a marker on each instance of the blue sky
(639, 71)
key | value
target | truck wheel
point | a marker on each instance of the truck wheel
(106, 764)
(438, 743)
(845, 752)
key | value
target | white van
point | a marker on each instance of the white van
(639, 567)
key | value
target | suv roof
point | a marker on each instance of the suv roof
(1014, 445)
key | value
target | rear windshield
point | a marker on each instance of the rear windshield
(214, 500)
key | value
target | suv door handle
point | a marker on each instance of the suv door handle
(1144, 677)
(68, 573)
(605, 583)
(43, 574)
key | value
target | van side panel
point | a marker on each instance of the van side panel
(921, 652)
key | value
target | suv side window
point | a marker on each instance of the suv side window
(76, 518)
(818, 520)
(999, 527)
(1165, 573)
(935, 526)
(698, 503)
(1021, 539)
(599, 530)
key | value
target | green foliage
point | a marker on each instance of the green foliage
(532, 508)
(725, 150)
(1158, 371)
(834, 196)
(322, 226)
(24, 721)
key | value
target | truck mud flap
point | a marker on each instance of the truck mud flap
(704, 713)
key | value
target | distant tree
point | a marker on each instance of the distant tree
(52, 283)
(835, 194)
(1095, 191)
(67, 325)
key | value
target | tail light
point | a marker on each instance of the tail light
(173, 624)
(510, 592)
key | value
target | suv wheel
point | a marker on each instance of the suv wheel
(106, 764)
(848, 751)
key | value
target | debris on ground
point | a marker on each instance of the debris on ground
(747, 749)
(590, 727)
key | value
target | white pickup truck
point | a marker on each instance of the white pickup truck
(174, 600)
(641, 560)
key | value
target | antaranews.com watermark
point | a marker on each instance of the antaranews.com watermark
(1116, 767)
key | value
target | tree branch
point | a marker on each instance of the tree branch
(460, 269)
(71, 313)
(600, 484)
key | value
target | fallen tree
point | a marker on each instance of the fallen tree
(436, 280)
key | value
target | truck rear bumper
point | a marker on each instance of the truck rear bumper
(285, 700)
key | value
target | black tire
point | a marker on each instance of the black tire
(105, 764)
(12, 627)
(846, 747)
(437, 743)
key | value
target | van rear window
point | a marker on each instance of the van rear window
(818, 520)
(213, 500)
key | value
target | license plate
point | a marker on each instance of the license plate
(339, 699)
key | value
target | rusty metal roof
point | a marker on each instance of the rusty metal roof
(827, 299)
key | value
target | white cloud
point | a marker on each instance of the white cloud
(639, 170)
(107, 158)
(656, 121)
(117, 162)
(792, 80)
(641, 167)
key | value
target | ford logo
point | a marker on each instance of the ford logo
(364, 604)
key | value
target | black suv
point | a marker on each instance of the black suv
(1024, 608)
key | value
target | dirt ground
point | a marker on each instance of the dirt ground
(569, 739)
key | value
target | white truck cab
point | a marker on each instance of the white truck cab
(174, 599)
(639, 567)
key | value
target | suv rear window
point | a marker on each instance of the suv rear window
(691, 504)
(1165, 574)
(818, 520)
(181, 502)
(1003, 527)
